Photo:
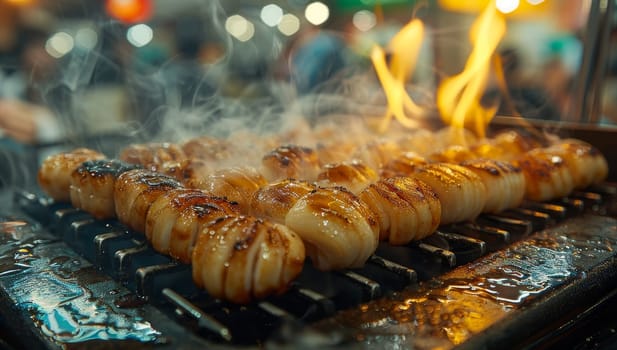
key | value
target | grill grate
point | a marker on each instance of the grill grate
(126, 256)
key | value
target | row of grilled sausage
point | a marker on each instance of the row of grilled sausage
(246, 232)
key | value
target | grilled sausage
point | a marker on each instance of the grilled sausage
(504, 183)
(547, 175)
(461, 192)
(242, 258)
(338, 229)
(290, 161)
(274, 200)
(354, 175)
(587, 165)
(92, 186)
(406, 209)
(134, 193)
(237, 184)
(404, 164)
(55, 173)
(175, 218)
(208, 148)
(152, 155)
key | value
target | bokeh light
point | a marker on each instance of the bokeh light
(317, 13)
(364, 20)
(140, 35)
(507, 6)
(239, 27)
(86, 38)
(59, 44)
(271, 15)
(290, 24)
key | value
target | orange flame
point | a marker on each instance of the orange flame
(404, 48)
(458, 97)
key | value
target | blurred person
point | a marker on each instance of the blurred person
(23, 114)
(315, 57)
(185, 74)
(25, 120)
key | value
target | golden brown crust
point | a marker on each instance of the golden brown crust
(404, 164)
(491, 167)
(55, 173)
(377, 153)
(453, 154)
(237, 184)
(406, 208)
(242, 258)
(506, 145)
(208, 148)
(354, 175)
(504, 183)
(134, 193)
(461, 192)
(193, 209)
(92, 186)
(586, 163)
(290, 162)
(546, 175)
(274, 200)
(338, 229)
(152, 155)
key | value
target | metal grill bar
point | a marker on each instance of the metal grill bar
(408, 276)
(515, 227)
(494, 237)
(305, 304)
(447, 257)
(106, 245)
(151, 280)
(465, 248)
(203, 320)
(554, 211)
(539, 220)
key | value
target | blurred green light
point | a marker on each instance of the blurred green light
(352, 5)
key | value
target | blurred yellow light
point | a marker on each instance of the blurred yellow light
(518, 8)
(20, 2)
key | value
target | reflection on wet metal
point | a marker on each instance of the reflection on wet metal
(473, 297)
(524, 272)
(52, 291)
(66, 313)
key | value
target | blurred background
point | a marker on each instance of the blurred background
(77, 72)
